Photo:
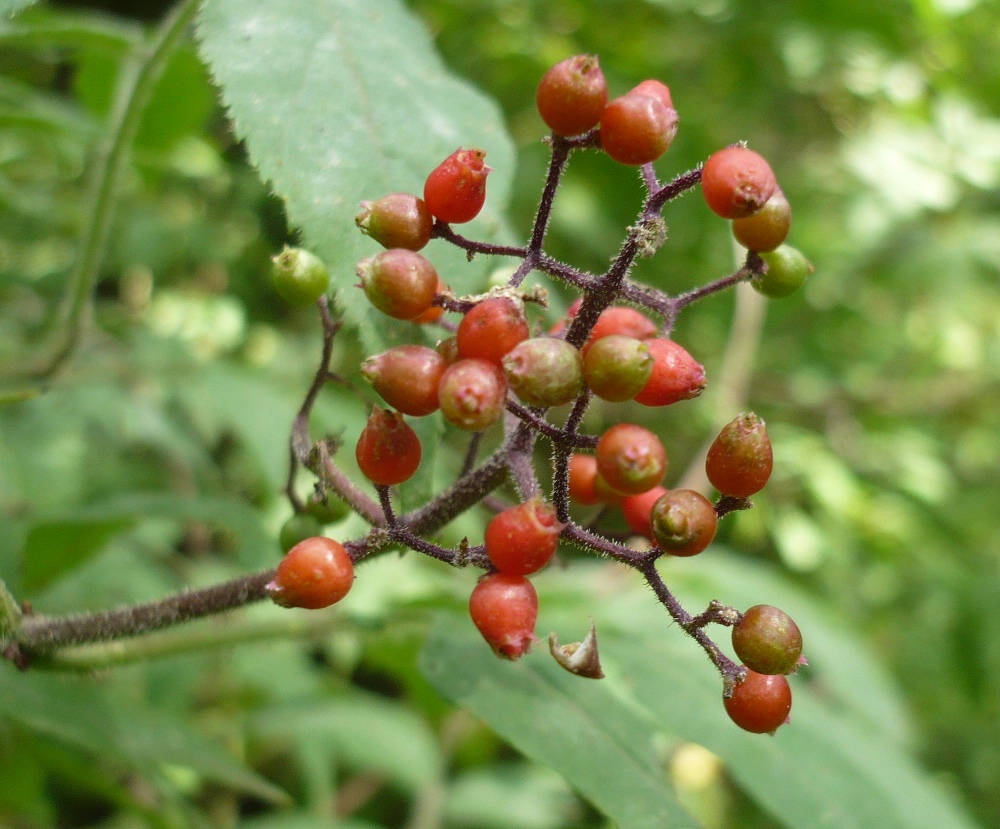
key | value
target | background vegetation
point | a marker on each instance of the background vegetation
(153, 458)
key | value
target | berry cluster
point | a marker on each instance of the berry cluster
(613, 343)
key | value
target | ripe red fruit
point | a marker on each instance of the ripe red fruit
(388, 451)
(740, 459)
(472, 394)
(761, 703)
(654, 89)
(398, 220)
(398, 282)
(582, 477)
(630, 458)
(504, 608)
(455, 191)
(683, 522)
(315, 573)
(768, 227)
(767, 640)
(605, 493)
(617, 368)
(572, 94)
(544, 371)
(621, 320)
(522, 539)
(736, 182)
(637, 129)
(490, 329)
(638, 511)
(407, 377)
(676, 375)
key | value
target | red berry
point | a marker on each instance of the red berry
(768, 227)
(654, 89)
(544, 371)
(398, 282)
(398, 220)
(630, 458)
(621, 320)
(683, 522)
(676, 375)
(761, 703)
(638, 511)
(504, 608)
(388, 451)
(767, 640)
(740, 460)
(617, 368)
(522, 539)
(582, 477)
(315, 573)
(407, 377)
(491, 329)
(572, 94)
(736, 182)
(455, 191)
(637, 129)
(472, 394)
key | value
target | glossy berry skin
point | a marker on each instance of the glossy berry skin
(317, 572)
(572, 94)
(504, 608)
(472, 394)
(767, 640)
(407, 378)
(299, 277)
(435, 312)
(298, 528)
(740, 459)
(455, 190)
(522, 539)
(676, 375)
(388, 451)
(399, 220)
(491, 329)
(637, 511)
(736, 182)
(761, 703)
(637, 129)
(654, 89)
(630, 458)
(768, 227)
(544, 371)
(621, 320)
(787, 271)
(582, 478)
(399, 282)
(617, 368)
(683, 522)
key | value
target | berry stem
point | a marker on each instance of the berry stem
(560, 437)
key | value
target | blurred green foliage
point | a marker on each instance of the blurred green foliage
(156, 460)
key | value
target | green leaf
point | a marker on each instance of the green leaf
(8, 8)
(345, 100)
(55, 548)
(579, 728)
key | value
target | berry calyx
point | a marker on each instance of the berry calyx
(768, 227)
(317, 572)
(787, 271)
(388, 451)
(740, 459)
(399, 282)
(504, 608)
(637, 129)
(572, 94)
(683, 522)
(617, 368)
(407, 377)
(676, 375)
(544, 371)
(298, 528)
(521, 540)
(472, 394)
(299, 277)
(736, 182)
(398, 220)
(637, 510)
(630, 458)
(760, 703)
(582, 478)
(490, 329)
(455, 190)
(767, 640)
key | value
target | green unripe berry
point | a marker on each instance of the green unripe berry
(299, 276)
(768, 227)
(787, 271)
(398, 220)
(329, 511)
(298, 528)
(544, 371)
(617, 368)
